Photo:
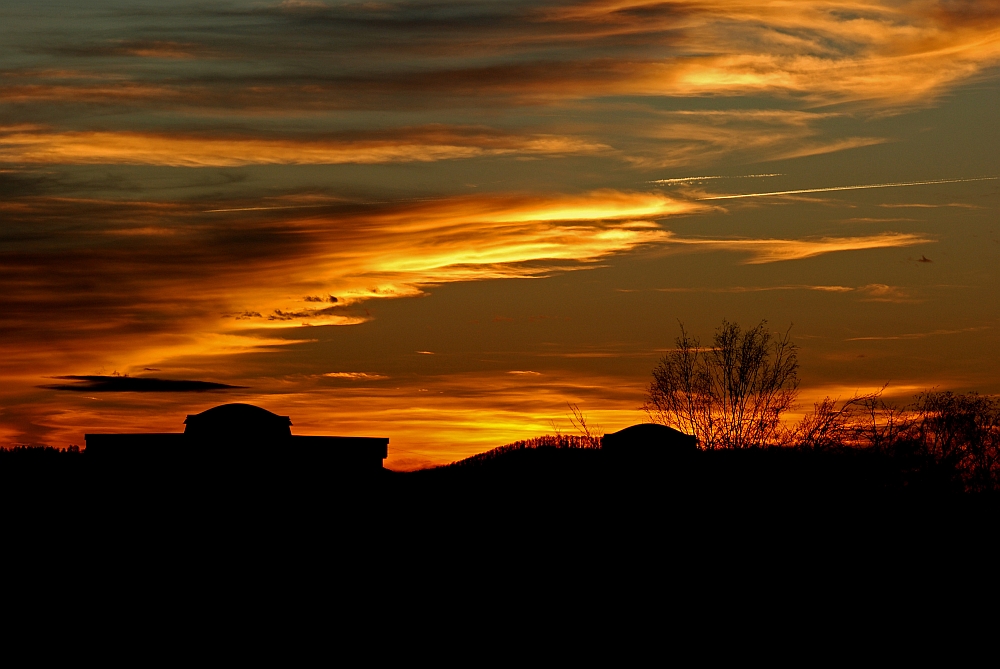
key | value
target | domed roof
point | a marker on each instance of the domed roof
(237, 419)
(649, 436)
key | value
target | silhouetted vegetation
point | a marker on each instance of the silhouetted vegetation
(37, 453)
(856, 452)
(548, 441)
(729, 395)
(733, 394)
(957, 435)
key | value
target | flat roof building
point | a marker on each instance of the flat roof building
(241, 431)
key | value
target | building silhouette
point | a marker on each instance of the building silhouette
(647, 440)
(244, 433)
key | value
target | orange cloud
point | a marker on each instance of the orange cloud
(679, 138)
(848, 50)
(149, 282)
(209, 287)
(398, 250)
(775, 250)
(38, 145)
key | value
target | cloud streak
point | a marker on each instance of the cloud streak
(691, 137)
(429, 144)
(873, 292)
(135, 384)
(763, 251)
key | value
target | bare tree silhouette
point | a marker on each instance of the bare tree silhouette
(729, 395)
(963, 431)
(592, 432)
(952, 432)
(864, 420)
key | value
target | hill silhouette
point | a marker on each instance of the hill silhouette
(533, 490)
(543, 465)
(553, 462)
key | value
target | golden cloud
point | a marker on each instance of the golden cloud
(687, 137)
(204, 288)
(888, 51)
(37, 145)
(396, 251)
(117, 290)
(775, 250)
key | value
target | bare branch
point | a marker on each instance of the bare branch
(729, 396)
(592, 433)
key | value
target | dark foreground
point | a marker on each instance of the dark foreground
(531, 488)
(569, 530)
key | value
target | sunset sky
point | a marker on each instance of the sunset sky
(441, 222)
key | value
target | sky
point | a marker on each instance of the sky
(445, 222)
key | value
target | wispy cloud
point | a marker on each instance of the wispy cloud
(428, 144)
(320, 65)
(139, 49)
(829, 50)
(875, 219)
(776, 250)
(757, 289)
(373, 55)
(355, 376)
(689, 137)
(873, 292)
(917, 205)
(879, 292)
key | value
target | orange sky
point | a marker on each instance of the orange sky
(445, 222)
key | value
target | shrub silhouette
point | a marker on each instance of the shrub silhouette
(963, 432)
(956, 435)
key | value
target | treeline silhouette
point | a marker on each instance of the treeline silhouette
(941, 443)
(837, 471)
(546, 441)
(28, 452)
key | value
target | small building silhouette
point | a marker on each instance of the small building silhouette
(649, 440)
(241, 431)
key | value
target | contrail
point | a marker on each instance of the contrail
(861, 187)
(687, 179)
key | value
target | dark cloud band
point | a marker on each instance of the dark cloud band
(135, 384)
